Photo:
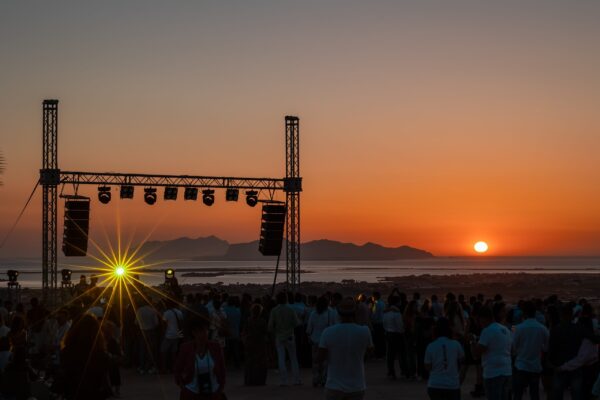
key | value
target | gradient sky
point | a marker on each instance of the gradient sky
(427, 123)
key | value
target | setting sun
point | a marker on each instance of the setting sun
(480, 247)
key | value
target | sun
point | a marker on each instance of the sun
(480, 247)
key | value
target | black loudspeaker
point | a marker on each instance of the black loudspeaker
(77, 223)
(271, 229)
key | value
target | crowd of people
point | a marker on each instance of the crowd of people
(542, 347)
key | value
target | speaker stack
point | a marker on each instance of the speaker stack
(77, 222)
(271, 229)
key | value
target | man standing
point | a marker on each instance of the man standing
(282, 322)
(344, 347)
(377, 309)
(148, 320)
(529, 342)
(495, 349)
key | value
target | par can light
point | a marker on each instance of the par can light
(150, 196)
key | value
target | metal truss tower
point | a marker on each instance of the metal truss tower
(51, 176)
(49, 179)
(293, 187)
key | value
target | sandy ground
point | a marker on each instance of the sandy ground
(162, 387)
(138, 387)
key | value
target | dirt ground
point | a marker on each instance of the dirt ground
(136, 387)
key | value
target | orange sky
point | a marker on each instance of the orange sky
(428, 126)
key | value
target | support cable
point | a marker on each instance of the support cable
(12, 228)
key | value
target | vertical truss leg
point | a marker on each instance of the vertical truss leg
(293, 187)
(49, 179)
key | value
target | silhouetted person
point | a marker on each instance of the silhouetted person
(85, 362)
(530, 340)
(344, 346)
(200, 365)
(443, 357)
(255, 338)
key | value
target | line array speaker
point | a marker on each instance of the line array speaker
(271, 229)
(77, 222)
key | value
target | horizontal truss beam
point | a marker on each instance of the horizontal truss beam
(216, 182)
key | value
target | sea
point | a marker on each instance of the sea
(263, 272)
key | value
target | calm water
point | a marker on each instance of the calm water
(369, 271)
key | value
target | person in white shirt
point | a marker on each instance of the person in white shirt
(148, 320)
(173, 319)
(393, 324)
(530, 340)
(443, 358)
(344, 347)
(320, 318)
(495, 348)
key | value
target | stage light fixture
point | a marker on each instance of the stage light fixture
(170, 193)
(208, 197)
(169, 274)
(66, 276)
(120, 270)
(104, 195)
(126, 192)
(231, 194)
(252, 198)
(150, 196)
(190, 193)
(12, 276)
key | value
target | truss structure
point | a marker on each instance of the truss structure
(51, 177)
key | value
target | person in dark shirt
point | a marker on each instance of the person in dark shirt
(85, 362)
(565, 340)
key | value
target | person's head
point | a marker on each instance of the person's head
(376, 296)
(499, 310)
(256, 310)
(198, 327)
(322, 305)
(336, 298)
(83, 280)
(34, 302)
(486, 316)
(298, 297)
(434, 298)
(528, 309)
(347, 309)
(282, 298)
(85, 335)
(393, 300)
(416, 296)
(566, 313)
(361, 298)
(442, 328)
(62, 316)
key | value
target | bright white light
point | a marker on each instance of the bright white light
(120, 271)
(481, 247)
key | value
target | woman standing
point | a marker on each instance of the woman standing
(255, 338)
(200, 366)
(320, 319)
(85, 362)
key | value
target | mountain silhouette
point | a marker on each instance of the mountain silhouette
(213, 248)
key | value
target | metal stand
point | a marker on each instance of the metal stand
(51, 177)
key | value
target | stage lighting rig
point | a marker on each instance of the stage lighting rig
(66, 277)
(208, 197)
(251, 198)
(190, 193)
(150, 196)
(104, 195)
(232, 194)
(126, 192)
(170, 193)
(12, 277)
